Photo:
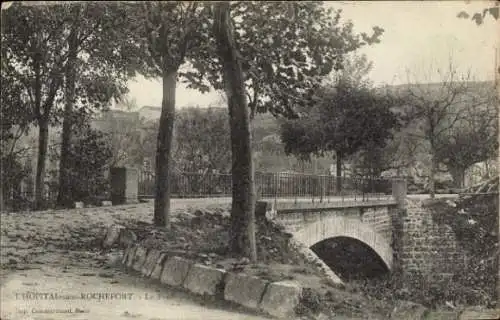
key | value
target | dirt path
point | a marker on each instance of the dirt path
(50, 269)
(77, 292)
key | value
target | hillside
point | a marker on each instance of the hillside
(269, 153)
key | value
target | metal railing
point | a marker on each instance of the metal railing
(272, 185)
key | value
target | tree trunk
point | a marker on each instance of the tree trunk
(64, 196)
(163, 150)
(2, 190)
(43, 136)
(243, 202)
(458, 175)
(432, 175)
(339, 171)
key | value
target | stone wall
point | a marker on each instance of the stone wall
(379, 218)
(427, 248)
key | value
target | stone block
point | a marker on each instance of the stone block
(244, 290)
(441, 315)
(150, 262)
(156, 274)
(124, 185)
(112, 236)
(281, 299)
(488, 314)
(175, 271)
(106, 203)
(127, 237)
(125, 255)
(204, 280)
(131, 255)
(139, 258)
(79, 205)
(409, 311)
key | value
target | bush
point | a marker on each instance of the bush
(13, 173)
(89, 157)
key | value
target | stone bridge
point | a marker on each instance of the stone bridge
(397, 235)
(369, 223)
(383, 236)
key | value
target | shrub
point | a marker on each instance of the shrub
(89, 157)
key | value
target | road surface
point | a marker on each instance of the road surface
(78, 292)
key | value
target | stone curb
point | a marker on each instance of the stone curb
(277, 299)
(205, 280)
(175, 271)
(244, 290)
(281, 298)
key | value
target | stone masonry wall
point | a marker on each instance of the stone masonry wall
(426, 247)
(379, 219)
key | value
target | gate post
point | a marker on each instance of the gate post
(124, 185)
(399, 193)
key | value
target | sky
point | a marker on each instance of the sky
(419, 39)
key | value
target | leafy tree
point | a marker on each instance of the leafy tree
(63, 55)
(203, 133)
(172, 32)
(33, 42)
(346, 119)
(101, 57)
(15, 118)
(285, 49)
(243, 204)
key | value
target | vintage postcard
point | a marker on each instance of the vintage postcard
(249, 160)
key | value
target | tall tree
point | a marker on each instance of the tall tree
(102, 54)
(285, 50)
(173, 33)
(437, 108)
(459, 149)
(15, 119)
(347, 118)
(63, 198)
(33, 44)
(55, 53)
(243, 203)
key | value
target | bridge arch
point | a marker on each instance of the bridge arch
(334, 227)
